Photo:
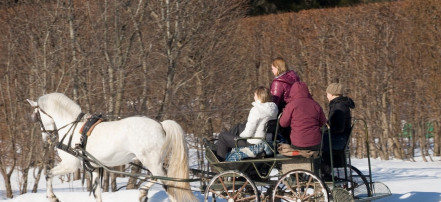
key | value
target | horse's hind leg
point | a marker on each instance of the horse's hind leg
(155, 169)
(144, 191)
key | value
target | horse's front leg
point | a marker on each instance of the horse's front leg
(96, 185)
(60, 169)
(49, 190)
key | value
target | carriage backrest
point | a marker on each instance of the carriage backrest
(270, 129)
(276, 128)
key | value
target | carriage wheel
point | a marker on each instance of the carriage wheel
(300, 185)
(231, 186)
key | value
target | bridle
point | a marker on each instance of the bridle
(53, 134)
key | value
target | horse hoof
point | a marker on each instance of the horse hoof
(143, 199)
(53, 199)
(143, 195)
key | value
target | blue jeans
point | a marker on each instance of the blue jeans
(338, 142)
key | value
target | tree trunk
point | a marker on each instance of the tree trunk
(421, 139)
(24, 187)
(374, 150)
(73, 41)
(385, 128)
(436, 139)
(396, 148)
(37, 178)
(131, 184)
(113, 177)
(106, 181)
(6, 178)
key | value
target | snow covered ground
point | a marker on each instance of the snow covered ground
(408, 181)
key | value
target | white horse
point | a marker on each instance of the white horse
(156, 145)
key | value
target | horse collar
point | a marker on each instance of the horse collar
(88, 127)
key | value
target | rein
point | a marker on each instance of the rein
(73, 125)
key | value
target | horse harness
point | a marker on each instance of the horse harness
(88, 127)
(85, 131)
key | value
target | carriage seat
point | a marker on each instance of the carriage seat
(287, 150)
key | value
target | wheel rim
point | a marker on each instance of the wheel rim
(300, 185)
(359, 186)
(231, 186)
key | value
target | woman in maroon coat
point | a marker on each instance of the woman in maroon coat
(282, 82)
(305, 116)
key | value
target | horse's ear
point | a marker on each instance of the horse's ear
(33, 103)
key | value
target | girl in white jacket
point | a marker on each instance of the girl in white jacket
(263, 110)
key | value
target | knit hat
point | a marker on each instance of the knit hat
(335, 89)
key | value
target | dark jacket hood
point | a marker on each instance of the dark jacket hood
(345, 100)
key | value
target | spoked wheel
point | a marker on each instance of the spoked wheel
(300, 185)
(231, 186)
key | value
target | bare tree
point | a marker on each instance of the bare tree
(8, 158)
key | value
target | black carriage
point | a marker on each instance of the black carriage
(289, 178)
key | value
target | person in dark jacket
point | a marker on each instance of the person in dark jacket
(339, 118)
(282, 82)
(305, 116)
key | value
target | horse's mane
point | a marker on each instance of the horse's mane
(60, 104)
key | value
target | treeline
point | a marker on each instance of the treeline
(197, 62)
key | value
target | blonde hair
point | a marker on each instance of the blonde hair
(263, 94)
(280, 64)
(335, 89)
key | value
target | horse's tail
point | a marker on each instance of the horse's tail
(175, 154)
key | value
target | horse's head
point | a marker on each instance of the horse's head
(47, 124)
(55, 112)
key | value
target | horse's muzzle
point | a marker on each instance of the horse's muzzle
(34, 116)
